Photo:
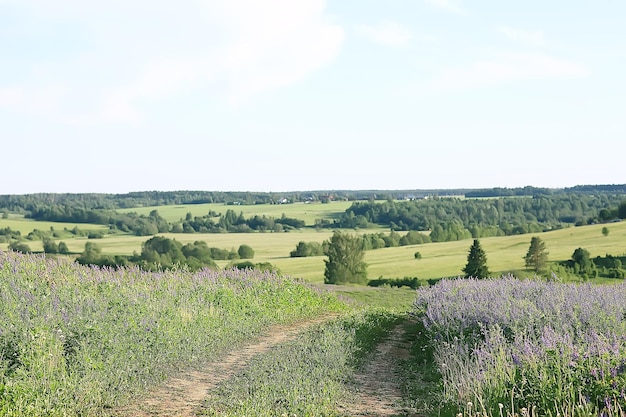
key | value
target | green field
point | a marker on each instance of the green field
(504, 254)
(25, 226)
(308, 212)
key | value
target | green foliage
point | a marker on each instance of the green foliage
(414, 238)
(621, 210)
(537, 255)
(395, 282)
(245, 252)
(50, 246)
(417, 255)
(18, 246)
(605, 231)
(304, 249)
(454, 218)
(95, 234)
(63, 249)
(476, 262)
(345, 260)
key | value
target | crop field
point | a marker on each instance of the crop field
(308, 212)
(445, 259)
(25, 226)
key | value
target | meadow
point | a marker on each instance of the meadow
(309, 212)
(445, 259)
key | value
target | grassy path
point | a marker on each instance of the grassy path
(377, 386)
(183, 394)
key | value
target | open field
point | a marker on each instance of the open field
(308, 212)
(504, 254)
(25, 226)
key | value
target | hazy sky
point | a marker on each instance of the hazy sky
(278, 95)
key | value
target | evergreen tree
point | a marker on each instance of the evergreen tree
(476, 262)
(345, 260)
(537, 255)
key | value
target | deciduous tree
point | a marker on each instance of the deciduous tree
(537, 255)
(345, 260)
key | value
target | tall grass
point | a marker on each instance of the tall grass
(78, 341)
(553, 349)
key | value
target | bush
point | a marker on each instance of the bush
(19, 247)
(245, 252)
(397, 282)
(417, 255)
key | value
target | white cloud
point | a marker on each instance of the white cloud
(525, 37)
(506, 69)
(387, 33)
(152, 50)
(449, 5)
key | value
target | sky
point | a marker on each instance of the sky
(284, 95)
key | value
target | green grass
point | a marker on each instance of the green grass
(393, 299)
(75, 341)
(308, 212)
(306, 377)
(25, 226)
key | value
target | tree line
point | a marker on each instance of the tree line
(455, 218)
(367, 241)
(153, 223)
(27, 202)
(159, 253)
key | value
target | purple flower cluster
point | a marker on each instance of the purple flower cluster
(542, 343)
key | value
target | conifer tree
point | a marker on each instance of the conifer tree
(476, 262)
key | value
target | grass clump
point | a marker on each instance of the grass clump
(305, 377)
(76, 341)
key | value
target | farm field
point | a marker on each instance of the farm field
(308, 212)
(445, 259)
(25, 226)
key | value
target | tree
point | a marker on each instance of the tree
(476, 262)
(621, 210)
(50, 246)
(605, 231)
(63, 249)
(345, 260)
(91, 254)
(245, 252)
(537, 255)
(18, 246)
(582, 258)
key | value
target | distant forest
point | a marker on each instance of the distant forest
(446, 214)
